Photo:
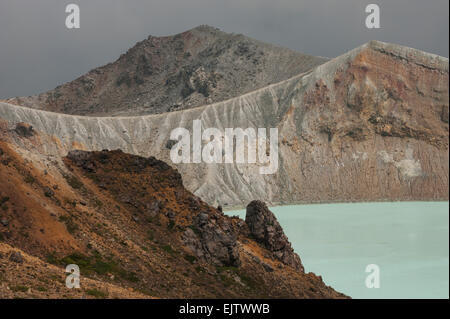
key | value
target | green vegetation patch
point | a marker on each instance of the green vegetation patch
(97, 293)
(96, 264)
(168, 248)
(4, 200)
(19, 288)
(190, 258)
(74, 182)
(71, 226)
(29, 179)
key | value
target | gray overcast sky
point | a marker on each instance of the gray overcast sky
(37, 52)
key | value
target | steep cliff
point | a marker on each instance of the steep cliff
(369, 125)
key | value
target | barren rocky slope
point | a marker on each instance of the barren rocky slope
(369, 125)
(134, 231)
(162, 74)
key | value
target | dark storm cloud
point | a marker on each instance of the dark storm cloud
(37, 52)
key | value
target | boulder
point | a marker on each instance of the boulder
(24, 129)
(48, 192)
(16, 257)
(266, 230)
(213, 240)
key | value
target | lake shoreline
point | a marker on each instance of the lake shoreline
(319, 202)
(407, 241)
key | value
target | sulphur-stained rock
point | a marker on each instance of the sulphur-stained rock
(265, 229)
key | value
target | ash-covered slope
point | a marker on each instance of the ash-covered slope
(161, 74)
(371, 124)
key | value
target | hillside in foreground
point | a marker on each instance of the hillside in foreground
(134, 231)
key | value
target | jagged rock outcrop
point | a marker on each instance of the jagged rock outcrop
(213, 239)
(265, 229)
(368, 125)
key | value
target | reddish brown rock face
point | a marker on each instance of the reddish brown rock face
(378, 93)
(396, 97)
(376, 128)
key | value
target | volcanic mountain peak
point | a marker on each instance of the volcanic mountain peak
(161, 74)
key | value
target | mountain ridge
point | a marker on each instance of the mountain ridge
(383, 126)
(422, 58)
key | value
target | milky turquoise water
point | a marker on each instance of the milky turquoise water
(409, 241)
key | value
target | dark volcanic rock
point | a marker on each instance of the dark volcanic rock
(213, 239)
(266, 230)
(16, 257)
(4, 222)
(48, 192)
(24, 129)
